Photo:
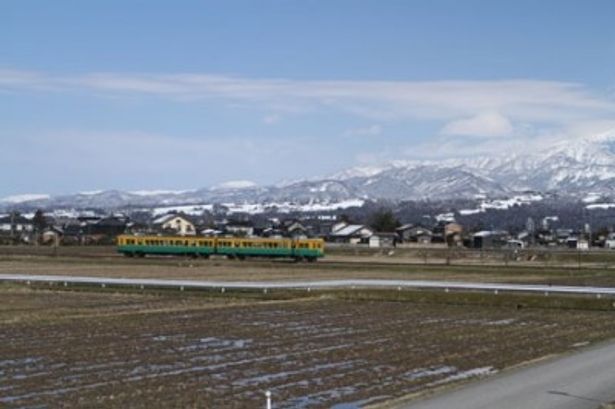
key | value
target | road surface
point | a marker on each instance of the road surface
(583, 380)
(316, 284)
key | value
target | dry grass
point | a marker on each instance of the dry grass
(220, 269)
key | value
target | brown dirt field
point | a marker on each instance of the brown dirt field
(71, 349)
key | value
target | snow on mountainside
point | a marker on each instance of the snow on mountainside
(27, 197)
(583, 168)
(234, 184)
(580, 167)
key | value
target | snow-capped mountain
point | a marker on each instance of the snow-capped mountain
(579, 169)
(569, 168)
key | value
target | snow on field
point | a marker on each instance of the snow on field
(293, 207)
(595, 206)
(71, 213)
(592, 198)
(468, 212)
(258, 208)
(445, 217)
(502, 204)
(459, 376)
(508, 203)
(186, 209)
(24, 198)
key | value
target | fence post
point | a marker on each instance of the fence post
(579, 258)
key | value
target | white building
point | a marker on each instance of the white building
(175, 223)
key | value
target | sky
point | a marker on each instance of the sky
(151, 94)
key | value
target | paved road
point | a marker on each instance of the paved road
(321, 284)
(580, 381)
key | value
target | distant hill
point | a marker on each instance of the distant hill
(582, 169)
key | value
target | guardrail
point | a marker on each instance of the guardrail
(265, 286)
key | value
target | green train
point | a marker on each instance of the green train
(240, 248)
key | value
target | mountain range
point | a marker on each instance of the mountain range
(578, 169)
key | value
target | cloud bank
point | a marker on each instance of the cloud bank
(478, 108)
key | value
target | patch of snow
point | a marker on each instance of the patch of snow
(591, 198)
(468, 212)
(600, 206)
(91, 192)
(67, 213)
(194, 210)
(445, 217)
(502, 322)
(286, 207)
(359, 172)
(503, 204)
(428, 372)
(486, 370)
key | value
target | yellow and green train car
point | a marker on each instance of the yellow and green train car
(307, 249)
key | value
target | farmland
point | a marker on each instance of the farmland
(165, 350)
(339, 264)
(86, 347)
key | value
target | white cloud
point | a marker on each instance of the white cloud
(531, 111)
(517, 100)
(372, 130)
(486, 124)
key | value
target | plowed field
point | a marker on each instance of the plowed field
(70, 349)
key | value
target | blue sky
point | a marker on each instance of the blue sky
(186, 94)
